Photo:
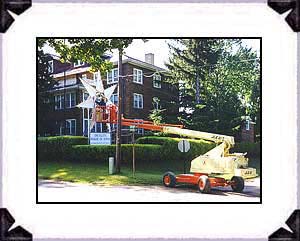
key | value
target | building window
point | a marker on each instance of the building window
(85, 127)
(71, 127)
(84, 76)
(97, 128)
(60, 126)
(156, 80)
(70, 99)
(156, 103)
(138, 101)
(85, 96)
(247, 125)
(50, 67)
(139, 130)
(112, 76)
(59, 102)
(78, 63)
(114, 99)
(96, 76)
(138, 76)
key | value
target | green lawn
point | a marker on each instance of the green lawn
(98, 174)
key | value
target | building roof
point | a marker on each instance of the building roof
(142, 64)
(85, 68)
(72, 71)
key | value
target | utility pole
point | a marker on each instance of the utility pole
(64, 100)
(197, 73)
(120, 111)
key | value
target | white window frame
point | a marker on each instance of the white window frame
(84, 76)
(113, 97)
(97, 128)
(95, 76)
(139, 130)
(247, 125)
(70, 120)
(85, 124)
(61, 129)
(69, 95)
(136, 74)
(78, 63)
(114, 77)
(61, 101)
(83, 94)
(50, 66)
(157, 81)
(60, 126)
(140, 97)
(156, 104)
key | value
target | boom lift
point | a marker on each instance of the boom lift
(218, 167)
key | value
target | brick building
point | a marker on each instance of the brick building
(144, 90)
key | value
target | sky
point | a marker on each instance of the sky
(159, 48)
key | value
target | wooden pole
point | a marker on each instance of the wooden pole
(120, 111)
(133, 154)
(89, 131)
(184, 156)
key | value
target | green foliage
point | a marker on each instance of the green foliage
(97, 173)
(252, 149)
(169, 148)
(147, 150)
(45, 82)
(219, 83)
(89, 50)
(57, 147)
(156, 115)
(101, 153)
(198, 147)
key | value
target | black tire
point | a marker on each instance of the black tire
(169, 179)
(204, 184)
(238, 184)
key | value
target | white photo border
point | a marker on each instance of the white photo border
(2, 59)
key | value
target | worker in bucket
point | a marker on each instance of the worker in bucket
(100, 107)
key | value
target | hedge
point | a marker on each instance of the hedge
(57, 147)
(149, 149)
(101, 153)
(252, 149)
(170, 147)
(198, 147)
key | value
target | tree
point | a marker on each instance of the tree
(227, 73)
(94, 52)
(45, 82)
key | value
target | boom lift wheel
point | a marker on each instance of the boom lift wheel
(238, 184)
(169, 179)
(204, 184)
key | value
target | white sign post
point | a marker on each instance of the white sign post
(184, 146)
(100, 138)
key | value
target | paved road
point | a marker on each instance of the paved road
(53, 191)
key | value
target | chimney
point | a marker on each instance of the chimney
(149, 58)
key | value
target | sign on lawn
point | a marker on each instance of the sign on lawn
(100, 138)
(184, 146)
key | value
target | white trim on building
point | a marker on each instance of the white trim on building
(137, 76)
(138, 101)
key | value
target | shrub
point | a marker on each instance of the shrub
(101, 153)
(57, 147)
(170, 147)
(252, 149)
